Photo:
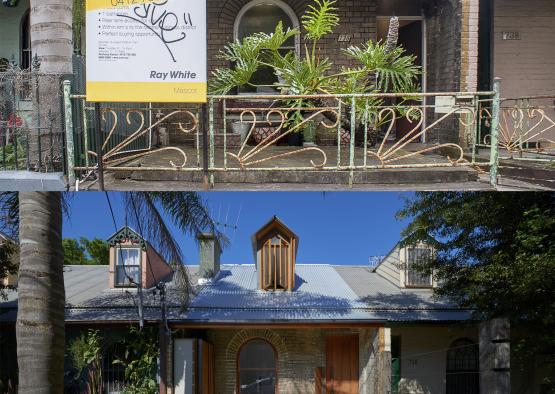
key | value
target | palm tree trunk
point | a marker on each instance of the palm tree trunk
(52, 34)
(41, 297)
(52, 44)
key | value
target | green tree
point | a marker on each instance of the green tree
(74, 252)
(140, 361)
(9, 264)
(495, 254)
(97, 250)
(37, 219)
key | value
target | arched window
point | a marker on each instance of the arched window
(262, 16)
(257, 368)
(463, 368)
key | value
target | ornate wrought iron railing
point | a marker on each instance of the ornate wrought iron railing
(347, 133)
(526, 128)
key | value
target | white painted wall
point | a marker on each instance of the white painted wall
(390, 267)
(10, 24)
(183, 366)
(424, 355)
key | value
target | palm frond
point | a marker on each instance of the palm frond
(144, 215)
(276, 40)
(395, 71)
(320, 19)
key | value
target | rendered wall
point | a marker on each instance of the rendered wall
(526, 65)
(10, 22)
(424, 355)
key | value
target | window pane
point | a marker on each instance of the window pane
(257, 368)
(257, 382)
(418, 256)
(124, 272)
(399, 7)
(128, 265)
(257, 354)
(129, 256)
(263, 18)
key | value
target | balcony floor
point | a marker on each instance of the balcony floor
(276, 157)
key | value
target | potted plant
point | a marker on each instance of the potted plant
(309, 133)
(380, 67)
(241, 128)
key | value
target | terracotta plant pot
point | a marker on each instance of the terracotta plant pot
(261, 133)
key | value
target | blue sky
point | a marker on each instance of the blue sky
(334, 228)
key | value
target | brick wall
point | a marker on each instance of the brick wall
(443, 59)
(300, 352)
(452, 43)
(358, 18)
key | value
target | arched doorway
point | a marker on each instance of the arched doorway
(257, 368)
(463, 368)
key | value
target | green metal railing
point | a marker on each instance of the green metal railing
(370, 132)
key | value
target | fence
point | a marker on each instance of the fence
(526, 128)
(32, 136)
(248, 134)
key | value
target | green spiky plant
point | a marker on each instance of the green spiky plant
(380, 67)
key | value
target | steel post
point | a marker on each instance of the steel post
(70, 149)
(494, 153)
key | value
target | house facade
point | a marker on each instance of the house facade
(460, 45)
(278, 326)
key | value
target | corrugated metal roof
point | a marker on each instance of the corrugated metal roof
(316, 286)
(377, 292)
(322, 293)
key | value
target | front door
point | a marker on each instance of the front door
(342, 364)
(412, 39)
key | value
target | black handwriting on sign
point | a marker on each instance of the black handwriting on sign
(153, 15)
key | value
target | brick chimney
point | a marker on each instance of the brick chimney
(209, 256)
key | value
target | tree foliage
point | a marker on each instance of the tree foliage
(9, 265)
(74, 252)
(85, 251)
(86, 357)
(140, 361)
(495, 254)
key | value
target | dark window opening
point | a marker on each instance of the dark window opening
(263, 18)
(395, 363)
(463, 368)
(25, 57)
(257, 368)
(113, 374)
(415, 258)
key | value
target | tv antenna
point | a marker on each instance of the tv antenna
(226, 225)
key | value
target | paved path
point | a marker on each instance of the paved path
(481, 185)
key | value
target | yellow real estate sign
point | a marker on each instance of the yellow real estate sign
(146, 51)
